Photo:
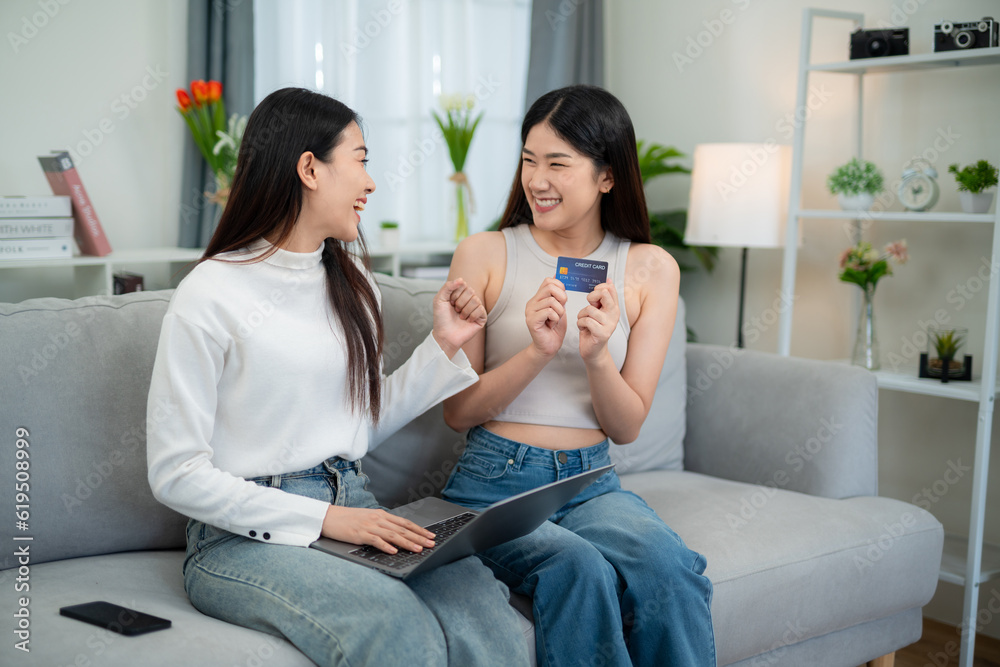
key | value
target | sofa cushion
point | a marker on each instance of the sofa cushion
(660, 445)
(76, 377)
(416, 461)
(817, 565)
(150, 582)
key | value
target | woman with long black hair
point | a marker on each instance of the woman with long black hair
(562, 373)
(270, 362)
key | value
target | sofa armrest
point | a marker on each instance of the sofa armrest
(795, 424)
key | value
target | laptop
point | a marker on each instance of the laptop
(461, 531)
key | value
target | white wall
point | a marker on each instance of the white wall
(98, 77)
(740, 88)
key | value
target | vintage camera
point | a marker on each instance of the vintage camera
(879, 43)
(950, 36)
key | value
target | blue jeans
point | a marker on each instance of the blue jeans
(340, 613)
(611, 584)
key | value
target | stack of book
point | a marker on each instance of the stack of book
(36, 227)
(64, 180)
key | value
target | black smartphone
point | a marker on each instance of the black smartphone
(115, 618)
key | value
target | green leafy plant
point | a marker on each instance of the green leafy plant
(389, 224)
(975, 177)
(667, 227)
(947, 343)
(458, 128)
(856, 177)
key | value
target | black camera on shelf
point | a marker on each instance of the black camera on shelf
(950, 36)
(880, 43)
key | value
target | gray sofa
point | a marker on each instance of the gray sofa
(766, 465)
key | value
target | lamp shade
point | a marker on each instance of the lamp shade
(739, 195)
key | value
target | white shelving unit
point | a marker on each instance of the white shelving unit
(420, 249)
(967, 561)
(95, 275)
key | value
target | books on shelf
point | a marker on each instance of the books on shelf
(33, 228)
(64, 180)
(39, 206)
(29, 236)
(51, 248)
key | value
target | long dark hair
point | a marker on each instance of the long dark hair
(265, 201)
(595, 123)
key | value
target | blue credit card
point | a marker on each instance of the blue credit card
(581, 275)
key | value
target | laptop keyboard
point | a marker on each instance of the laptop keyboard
(442, 530)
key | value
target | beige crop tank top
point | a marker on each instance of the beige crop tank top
(560, 394)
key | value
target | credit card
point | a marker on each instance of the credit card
(581, 275)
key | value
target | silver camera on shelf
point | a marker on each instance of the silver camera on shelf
(982, 34)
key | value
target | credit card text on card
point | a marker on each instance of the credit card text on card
(581, 275)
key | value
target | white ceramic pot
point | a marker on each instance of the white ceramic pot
(861, 202)
(975, 202)
(389, 237)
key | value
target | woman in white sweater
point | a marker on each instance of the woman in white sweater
(270, 362)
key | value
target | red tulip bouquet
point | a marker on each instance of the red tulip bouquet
(218, 139)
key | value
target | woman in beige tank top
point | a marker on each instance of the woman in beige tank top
(607, 577)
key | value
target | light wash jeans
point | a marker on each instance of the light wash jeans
(611, 584)
(341, 613)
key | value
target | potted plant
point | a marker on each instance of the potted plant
(389, 234)
(942, 359)
(855, 184)
(973, 181)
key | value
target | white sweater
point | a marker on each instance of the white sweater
(250, 379)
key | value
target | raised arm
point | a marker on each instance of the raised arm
(481, 260)
(622, 399)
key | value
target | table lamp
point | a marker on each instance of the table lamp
(739, 198)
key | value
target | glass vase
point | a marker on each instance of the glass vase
(461, 211)
(866, 353)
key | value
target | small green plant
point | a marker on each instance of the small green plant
(975, 177)
(947, 343)
(855, 178)
(389, 224)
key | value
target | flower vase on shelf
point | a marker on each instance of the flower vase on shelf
(866, 353)
(864, 266)
(461, 205)
(458, 127)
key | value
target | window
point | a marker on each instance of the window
(390, 61)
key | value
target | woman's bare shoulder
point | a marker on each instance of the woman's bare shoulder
(650, 264)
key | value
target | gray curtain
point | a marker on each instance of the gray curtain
(220, 48)
(567, 45)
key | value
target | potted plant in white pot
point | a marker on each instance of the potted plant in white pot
(973, 181)
(389, 234)
(856, 184)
